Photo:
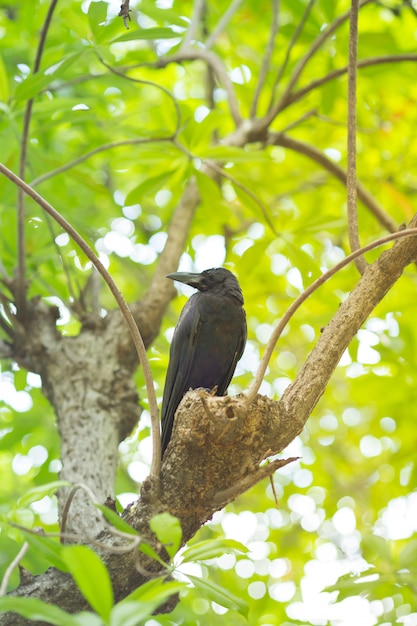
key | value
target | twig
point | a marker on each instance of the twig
(303, 118)
(227, 495)
(20, 294)
(137, 338)
(223, 22)
(209, 57)
(140, 81)
(257, 381)
(77, 538)
(316, 155)
(293, 41)
(266, 61)
(125, 13)
(351, 181)
(305, 59)
(390, 58)
(68, 502)
(147, 573)
(219, 170)
(196, 18)
(88, 155)
(245, 189)
(19, 556)
(135, 539)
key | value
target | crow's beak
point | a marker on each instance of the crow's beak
(189, 278)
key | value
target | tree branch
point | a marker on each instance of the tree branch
(136, 336)
(280, 139)
(351, 182)
(302, 395)
(90, 153)
(21, 250)
(390, 58)
(293, 41)
(277, 332)
(266, 61)
(196, 19)
(207, 56)
(223, 22)
(305, 59)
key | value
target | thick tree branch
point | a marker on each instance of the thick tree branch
(303, 394)
(295, 305)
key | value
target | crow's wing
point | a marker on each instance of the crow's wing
(181, 360)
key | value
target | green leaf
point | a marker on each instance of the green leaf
(37, 493)
(131, 613)
(408, 555)
(212, 549)
(20, 379)
(208, 189)
(236, 155)
(35, 83)
(374, 548)
(148, 186)
(142, 602)
(116, 520)
(23, 516)
(91, 576)
(50, 549)
(157, 590)
(97, 13)
(149, 551)
(77, 22)
(148, 34)
(4, 82)
(220, 595)
(36, 610)
(168, 530)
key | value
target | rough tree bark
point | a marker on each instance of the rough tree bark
(218, 444)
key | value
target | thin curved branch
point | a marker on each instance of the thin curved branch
(21, 252)
(9, 571)
(90, 153)
(149, 83)
(351, 181)
(196, 18)
(305, 59)
(137, 338)
(389, 58)
(266, 61)
(279, 139)
(293, 41)
(210, 165)
(223, 22)
(209, 57)
(277, 332)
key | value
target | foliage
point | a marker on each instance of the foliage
(115, 137)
